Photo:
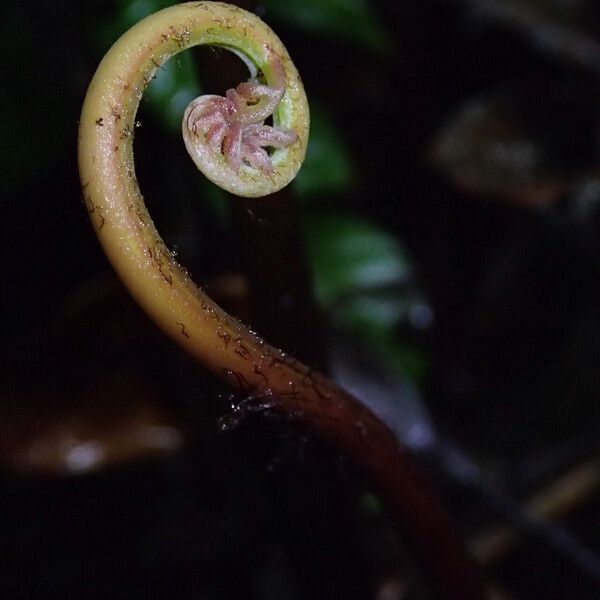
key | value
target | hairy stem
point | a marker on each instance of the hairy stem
(262, 373)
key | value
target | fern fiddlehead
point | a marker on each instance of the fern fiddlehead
(230, 143)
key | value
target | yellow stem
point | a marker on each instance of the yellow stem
(115, 202)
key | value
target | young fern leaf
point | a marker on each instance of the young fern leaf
(110, 187)
(228, 140)
(227, 137)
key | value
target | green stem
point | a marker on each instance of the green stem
(222, 344)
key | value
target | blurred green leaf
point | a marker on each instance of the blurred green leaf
(125, 14)
(349, 255)
(175, 86)
(354, 20)
(374, 320)
(363, 278)
(176, 83)
(132, 11)
(380, 312)
(328, 167)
